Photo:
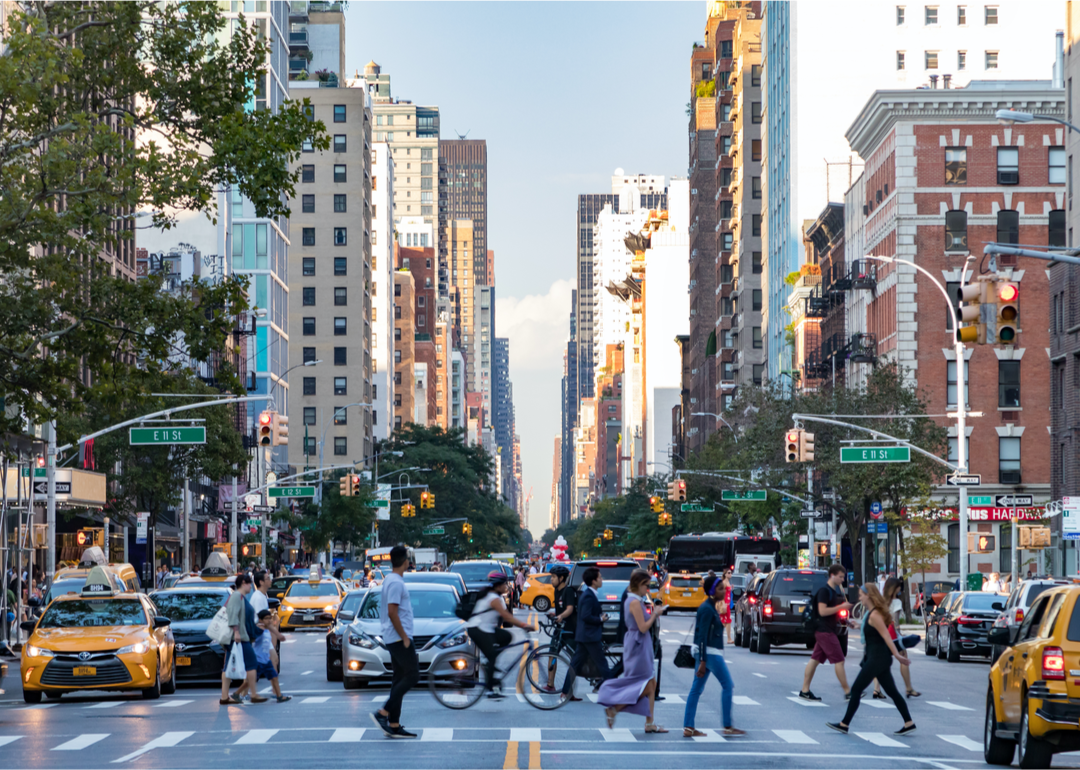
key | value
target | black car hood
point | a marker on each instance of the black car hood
(190, 627)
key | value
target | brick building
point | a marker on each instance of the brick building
(942, 177)
(404, 349)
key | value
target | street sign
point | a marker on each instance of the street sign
(276, 492)
(964, 480)
(748, 494)
(195, 434)
(378, 503)
(877, 526)
(985, 501)
(695, 508)
(42, 487)
(142, 527)
(875, 510)
(1013, 501)
(811, 514)
(1070, 517)
(875, 454)
(262, 508)
(434, 531)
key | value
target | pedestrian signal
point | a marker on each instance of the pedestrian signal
(821, 549)
(251, 549)
(280, 430)
(978, 543)
(806, 447)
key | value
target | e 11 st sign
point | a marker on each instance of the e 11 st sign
(882, 454)
(166, 436)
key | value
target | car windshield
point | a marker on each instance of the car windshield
(982, 601)
(280, 584)
(189, 606)
(66, 586)
(612, 590)
(300, 590)
(799, 583)
(608, 571)
(351, 603)
(1037, 589)
(425, 604)
(474, 572)
(86, 613)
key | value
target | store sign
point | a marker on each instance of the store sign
(1005, 514)
(142, 528)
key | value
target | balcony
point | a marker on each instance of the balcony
(816, 306)
(298, 39)
(863, 349)
(863, 274)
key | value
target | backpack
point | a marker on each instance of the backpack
(466, 604)
(811, 617)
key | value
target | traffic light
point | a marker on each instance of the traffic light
(791, 445)
(90, 536)
(408, 511)
(978, 543)
(251, 549)
(1007, 296)
(427, 499)
(344, 489)
(656, 504)
(596, 542)
(354, 486)
(664, 519)
(680, 490)
(821, 549)
(806, 447)
(280, 425)
(266, 428)
(466, 529)
(970, 328)
(608, 534)
(1034, 538)
(671, 494)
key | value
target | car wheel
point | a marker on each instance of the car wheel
(942, 645)
(333, 673)
(542, 604)
(353, 682)
(153, 693)
(764, 643)
(753, 640)
(928, 648)
(31, 696)
(996, 750)
(952, 652)
(1033, 753)
(170, 686)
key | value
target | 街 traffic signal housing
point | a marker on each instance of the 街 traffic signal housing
(280, 430)
(427, 499)
(989, 312)
(608, 534)
(664, 519)
(970, 325)
(266, 428)
(798, 446)
(978, 543)
(251, 549)
(1007, 298)
(821, 548)
(656, 505)
(408, 511)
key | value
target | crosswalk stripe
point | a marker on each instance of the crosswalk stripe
(674, 700)
(619, 735)
(6, 739)
(255, 736)
(877, 704)
(316, 699)
(710, 736)
(106, 705)
(962, 741)
(288, 641)
(594, 697)
(39, 707)
(793, 736)
(347, 735)
(944, 704)
(164, 741)
(172, 704)
(760, 676)
(81, 742)
(802, 702)
(880, 739)
(440, 734)
(744, 700)
(305, 673)
(524, 734)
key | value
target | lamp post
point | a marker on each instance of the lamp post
(1008, 117)
(721, 419)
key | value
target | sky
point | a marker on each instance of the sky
(564, 93)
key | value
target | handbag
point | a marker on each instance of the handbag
(684, 658)
(219, 630)
(235, 668)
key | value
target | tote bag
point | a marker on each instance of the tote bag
(219, 629)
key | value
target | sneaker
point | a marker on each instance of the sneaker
(384, 724)
(905, 730)
(495, 695)
(808, 696)
(401, 732)
(837, 726)
(733, 731)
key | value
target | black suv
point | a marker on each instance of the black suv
(967, 622)
(740, 615)
(616, 574)
(783, 599)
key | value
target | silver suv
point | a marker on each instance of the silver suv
(1020, 600)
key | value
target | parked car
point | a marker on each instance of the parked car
(932, 619)
(1020, 599)
(346, 614)
(740, 616)
(964, 628)
(932, 592)
(785, 598)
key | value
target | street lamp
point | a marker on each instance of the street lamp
(270, 394)
(721, 419)
(1008, 117)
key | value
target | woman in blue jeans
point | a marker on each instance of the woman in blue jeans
(709, 655)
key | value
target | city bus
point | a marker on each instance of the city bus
(718, 551)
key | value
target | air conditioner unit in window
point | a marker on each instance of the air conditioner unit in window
(1009, 477)
(1008, 177)
(956, 242)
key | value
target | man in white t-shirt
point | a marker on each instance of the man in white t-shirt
(396, 624)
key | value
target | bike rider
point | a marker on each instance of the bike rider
(484, 630)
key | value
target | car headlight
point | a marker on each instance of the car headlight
(138, 648)
(286, 606)
(330, 608)
(454, 641)
(37, 652)
(364, 641)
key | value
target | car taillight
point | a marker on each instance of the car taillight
(1053, 663)
(842, 614)
(767, 607)
(1019, 615)
(964, 620)
(752, 600)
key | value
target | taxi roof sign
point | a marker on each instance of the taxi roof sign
(92, 556)
(101, 582)
(217, 565)
(314, 576)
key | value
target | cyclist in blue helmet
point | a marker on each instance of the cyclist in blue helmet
(484, 626)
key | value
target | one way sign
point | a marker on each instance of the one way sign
(42, 487)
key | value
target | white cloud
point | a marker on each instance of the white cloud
(537, 325)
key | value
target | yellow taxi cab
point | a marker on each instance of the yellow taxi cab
(311, 603)
(103, 638)
(70, 579)
(1033, 700)
(682, 591)
(539, 593)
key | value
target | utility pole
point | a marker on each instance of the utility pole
(260, 480)
(810, 523)
(50, 501)
(232, 528)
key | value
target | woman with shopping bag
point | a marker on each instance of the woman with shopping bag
(240, 655)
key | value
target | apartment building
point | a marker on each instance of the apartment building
(382, 291)
(463, 195)
(405, 406)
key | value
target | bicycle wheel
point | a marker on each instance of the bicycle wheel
(460, 690)
(542, 677)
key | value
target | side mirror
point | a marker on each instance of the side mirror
(28, 625)
(161, 622)
(280, 596)
(273, 603)
(997, 606)
(737, 592)
(33, 601)
(1000, 637)
(345, 617)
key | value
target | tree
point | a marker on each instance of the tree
(922, 550)
(111, 111)
(336, 519)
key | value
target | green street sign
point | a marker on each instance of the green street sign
(39, 473)
(166, 436)
(987, 500)
(747, 494)
(275, 492)
(377, 503)
(434, 531)
(875, 454)
(694, 508)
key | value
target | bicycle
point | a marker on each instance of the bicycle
(532, 684)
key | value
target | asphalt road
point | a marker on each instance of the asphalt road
(325, 726)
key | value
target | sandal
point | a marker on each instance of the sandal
(610, 713)
(879, 695)
(913, 694)
(232, 700)
(690, 732)
(655, 728)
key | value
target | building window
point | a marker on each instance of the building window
(755, 187)
(755, 75)
(725, 310)
(930, 59)
(341, 236)
(759, 374)
(901, 60)
(954, 448)
(309, 236)
(757, 337)
(309, 446)
(727, 48)
(1008, 165)
(950, 383)
(931, 15)
(991, 14)
(308, 355)
(340, 266)
(397, 356)
(1056, 228)
(961, 60)
(755, 261)
(900, 12)
(309, 327)
(309, 386)
(308, 266)
(309, 415)
(340, 206)
(341, 445)
(726, 241)
(955, 165)
(727, 273)
(307, 174)
(341, 295)
(725, 145)
(340, 143)
(956, 231)
(307, 205)
(755, 112)
(339, 172)
(309, 296)
(1008, 226)
(756, 301)
(991, 60)
(341, 416)
(340, 326)
(755, 149)
(307, 146)
(341, 357)
(341, 386)
(1009, 384)
(339, 113)
(952, 289)
(755, 224)
(726, 207)
(1057, 165)
(1009, 460)
(961, 15)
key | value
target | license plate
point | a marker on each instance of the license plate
(309, 618)
(687, 593)
(799, 608)
(183, 661)
(85, 671)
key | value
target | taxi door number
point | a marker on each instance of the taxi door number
(85, 671)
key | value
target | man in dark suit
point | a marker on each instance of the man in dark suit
(590, 631)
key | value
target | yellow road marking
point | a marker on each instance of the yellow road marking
(511, 761)
(534, 755)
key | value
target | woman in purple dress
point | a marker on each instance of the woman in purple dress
(635, 689)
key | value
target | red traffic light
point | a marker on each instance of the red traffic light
(1008, 292)
(793, 436)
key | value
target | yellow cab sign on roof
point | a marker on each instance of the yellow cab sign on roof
(314, 576)
(101, 582)
(217, 566)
